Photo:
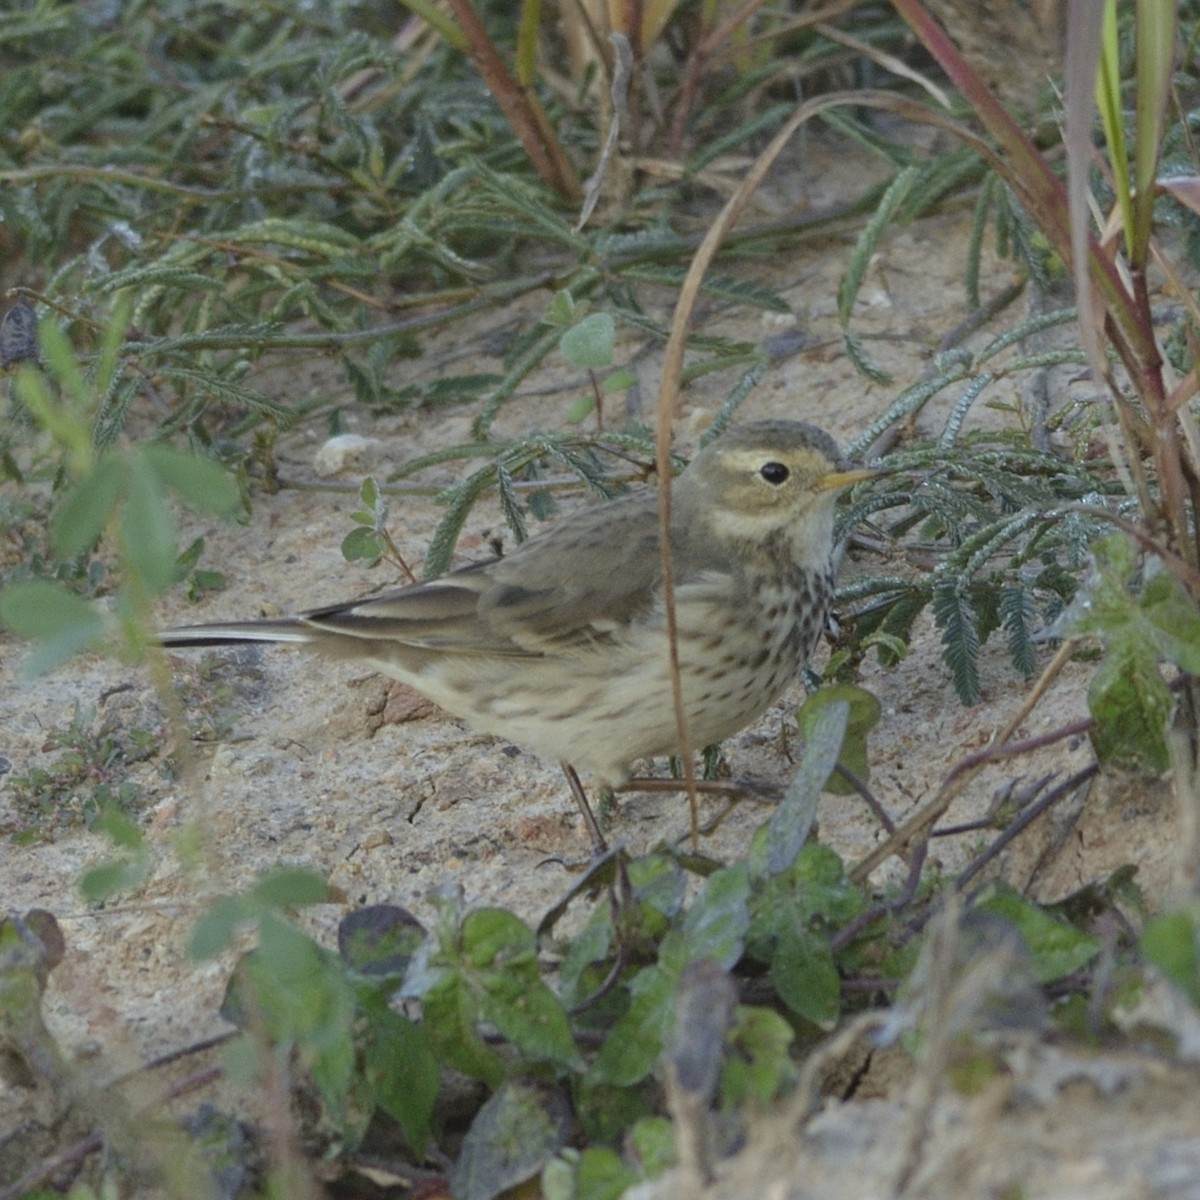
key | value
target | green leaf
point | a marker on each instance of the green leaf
(1174, 622)
(590, 343)
(59, 620)
(862, 717)
(401, 1069)
(59, 356)
(495, 937)
(202, 483)
(804, 975)
(618, 381)
(512, 994)
(458, 505)
(868, 241)
(631, 1049)
(148, 528)
(652, 1140)
(305, 998)
(715, 924)
(80, 518)
(1172, 943)
(114, 877)
(291, 887)
(379, 939)
(563, 309)
(362, 545)
(1017, 611)
(449, 1018)
(956, 618)
(602, 1175)
(1131, 706)
(713, 927)
(215, 929)
(1057, 948)
(120, 829)
(513, 1136)
(759, 1068)
(824, 730)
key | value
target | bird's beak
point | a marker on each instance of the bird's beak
(841, 479)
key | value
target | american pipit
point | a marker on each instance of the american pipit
(561, 646)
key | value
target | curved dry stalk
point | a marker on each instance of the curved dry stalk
(668, 391)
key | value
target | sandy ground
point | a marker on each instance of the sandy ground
(390, 804)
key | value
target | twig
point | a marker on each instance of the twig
(872, 801)
(962, 773)
(916, 864)
(1023, 820)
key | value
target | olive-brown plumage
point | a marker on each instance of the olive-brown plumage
(561, 646)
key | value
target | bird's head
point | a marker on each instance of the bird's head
(768, 480)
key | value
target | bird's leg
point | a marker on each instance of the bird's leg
(589, 818)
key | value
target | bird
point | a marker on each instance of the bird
(561, 646)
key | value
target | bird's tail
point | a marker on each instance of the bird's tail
(232, 633)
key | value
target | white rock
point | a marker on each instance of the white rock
(342, 452)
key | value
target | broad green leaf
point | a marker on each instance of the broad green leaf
(631, 1049)
(715, 923)
(112, 878)
(59, 356)
(790, 824)
(1174, 623)
(148, 528)
(513, 1136)
(618, 381)
(362, 545)
(494, 937)
(216, 927)
(813, 896)
(304, 997)
(861, 719)
(79, 520)
(58, 620)
(379, 939)
(652, 1140)
(1056, 947)
(563, 308)
(450, 1015)
(202, 483)
(590, 343)
(120, 829)
(602, 1175)
(584, 965)
(400, 1068)
(713, 927)
(528, 1013)
(759, 1067)
(1172, 943)
(804, 975)
(486, 970)
(291, 887)
(1130, 705)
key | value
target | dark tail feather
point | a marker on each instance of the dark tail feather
(235, 633)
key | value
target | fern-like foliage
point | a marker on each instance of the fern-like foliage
(987, 528)
(523, 461)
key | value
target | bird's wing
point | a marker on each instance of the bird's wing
(581, 583)
(578, 584)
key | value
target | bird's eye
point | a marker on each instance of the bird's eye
(774, 473)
